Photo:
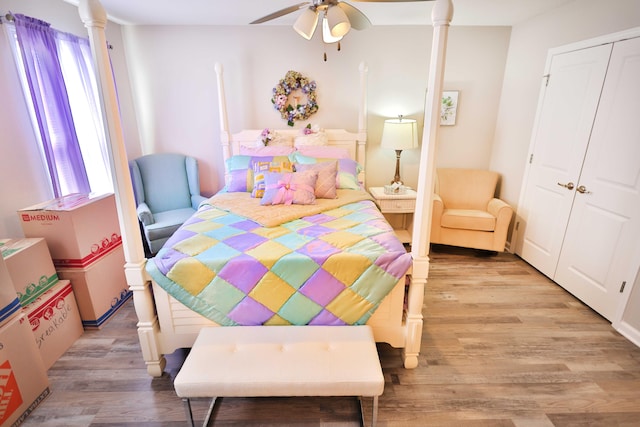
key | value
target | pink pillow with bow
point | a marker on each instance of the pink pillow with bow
(297, 188)
(259, 171)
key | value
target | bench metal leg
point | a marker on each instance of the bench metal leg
(374, 418)
(189, 412)
(209, 412)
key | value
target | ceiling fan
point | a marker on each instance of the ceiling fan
(338, 17)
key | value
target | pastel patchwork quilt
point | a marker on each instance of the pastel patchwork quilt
(329, 268)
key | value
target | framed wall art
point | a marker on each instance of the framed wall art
(449, 107)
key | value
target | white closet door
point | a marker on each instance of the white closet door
(604, 227)
(560, 141)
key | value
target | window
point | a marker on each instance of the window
(59, 85)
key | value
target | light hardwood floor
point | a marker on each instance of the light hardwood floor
(502, 346)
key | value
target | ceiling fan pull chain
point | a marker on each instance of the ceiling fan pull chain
(338, 46)
(325, 56)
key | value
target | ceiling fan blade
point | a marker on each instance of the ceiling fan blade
(388, 1)
(358, 20)
(281, 12)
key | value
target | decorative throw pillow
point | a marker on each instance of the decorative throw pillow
(239, 180)
(239, 171)
(348, 170)
(290, 188)
(326, 183)
(262, 168)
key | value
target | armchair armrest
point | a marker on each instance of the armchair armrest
(438, 207)
(501, 210)
(196, 200)
(503, 213)
(144, 214)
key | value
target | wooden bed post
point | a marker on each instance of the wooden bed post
(362, 114)
(441, 16)
(222, 107)
(94, 18)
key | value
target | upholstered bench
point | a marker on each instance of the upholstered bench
(253, 361)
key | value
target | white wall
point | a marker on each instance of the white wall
(172, 71)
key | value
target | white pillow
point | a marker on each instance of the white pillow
(316, 139)
(277, 140)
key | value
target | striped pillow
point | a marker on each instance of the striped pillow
(239, 171)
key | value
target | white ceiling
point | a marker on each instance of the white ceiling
(241, 12)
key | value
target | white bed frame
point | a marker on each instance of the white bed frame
(179, 325)
(165, 325)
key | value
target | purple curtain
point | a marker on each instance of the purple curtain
(77, 68)
(37, 41)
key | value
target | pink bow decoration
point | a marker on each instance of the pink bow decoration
(286, 190)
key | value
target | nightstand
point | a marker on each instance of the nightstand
(398, 210)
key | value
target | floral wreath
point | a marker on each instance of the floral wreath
(292, 81)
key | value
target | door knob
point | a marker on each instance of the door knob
(568, 186)
(582, 189)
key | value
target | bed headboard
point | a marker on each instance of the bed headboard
(354, 142)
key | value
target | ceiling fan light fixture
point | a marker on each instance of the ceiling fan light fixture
(327, 37)
(306, 23)
(338, 21)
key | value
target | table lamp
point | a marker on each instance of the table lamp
(399, 134)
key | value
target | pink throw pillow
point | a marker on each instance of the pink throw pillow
(326, 183)
(296, 188)
(324, 151)
(260, 169)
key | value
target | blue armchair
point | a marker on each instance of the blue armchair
(167, 193)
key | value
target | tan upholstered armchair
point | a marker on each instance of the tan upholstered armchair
(466, 212)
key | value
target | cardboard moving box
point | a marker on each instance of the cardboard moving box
(9, 304)
(55, 322)
(30, 267)
(100, 289)
(23, 378)
(78, 228)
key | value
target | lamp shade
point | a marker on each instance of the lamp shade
(400, 134)
(326, 32)
(338, 21)
(306, 23)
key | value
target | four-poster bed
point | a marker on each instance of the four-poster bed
(163, 324)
